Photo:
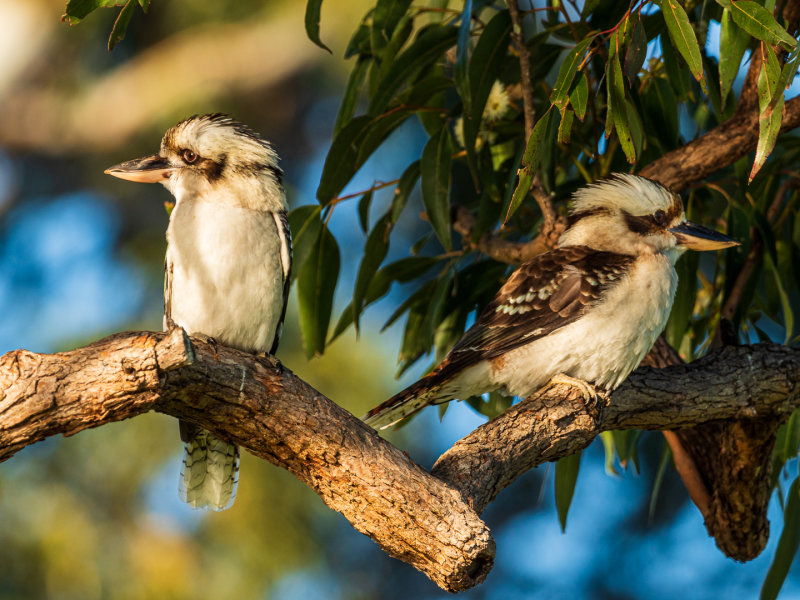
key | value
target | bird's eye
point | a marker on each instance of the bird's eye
(189, 156)
(660, 217)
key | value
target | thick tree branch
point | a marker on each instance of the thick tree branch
(259, 405)
(419, 518)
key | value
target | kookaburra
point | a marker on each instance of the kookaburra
(228, 261)
(589, 310)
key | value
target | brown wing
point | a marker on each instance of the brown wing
(543, 295)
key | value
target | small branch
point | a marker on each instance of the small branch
(514, 253)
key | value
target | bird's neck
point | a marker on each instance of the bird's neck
(254, 193)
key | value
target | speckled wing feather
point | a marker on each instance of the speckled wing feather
(543, 295)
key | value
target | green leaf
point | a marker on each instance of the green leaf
(363, 210)
(536, 146)
(787, 546)
(145, 4)
(791, 439)
(579, 97)
(608, 446)
(351, 94)
(430, 44)
(636, 52)
(617, 107)
(313, 8)
(305, 224)
(677, 73)
(435, 166)
(352, 146)
(770, 101)
(682, 35)
(662, 107)
(732, 45)
(316, 284)
(462, 78)
(435, 306)
(663, 464)
(121, 24)
(408, 180)
(397, 41)
(387, 15)
(560, 94)
(487, 61)
(375, 250)
(403, 270)
(566, 477)
(759, 22)
(565, 127)
(685, 295)
(79, 9)
(786, 306)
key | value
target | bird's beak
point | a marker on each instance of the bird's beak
(696, 237)
(150, 169)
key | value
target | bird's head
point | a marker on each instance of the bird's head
(212, 156)
(627, 214)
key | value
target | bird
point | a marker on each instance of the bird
(228, 263)
(585, 313)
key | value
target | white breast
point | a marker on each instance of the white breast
(227, 278)
(608, 342)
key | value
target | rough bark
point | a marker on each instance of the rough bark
(428, 520)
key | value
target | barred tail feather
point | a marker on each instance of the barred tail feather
(428, 390)
(210, 470)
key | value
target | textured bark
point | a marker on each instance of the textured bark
(428, 520)
(255, 403)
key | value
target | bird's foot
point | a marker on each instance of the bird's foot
(588, 392)
(207, 339)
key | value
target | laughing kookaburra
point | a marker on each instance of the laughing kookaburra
(589, 310)
(227, 266)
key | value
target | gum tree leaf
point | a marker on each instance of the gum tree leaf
(121, 24)
(732, 45)
(351, 93)
(636, 52)
(363, 210)
(618, 109)
(79, 9)
(565, 127)
(313, 8)
(566, 477)
(683, 37)
(408, 180)
(770, 101)
(579, 97)
(536, 146)
(316, 284)
(759, 22)
(435, 167)
(375, 250)
(487, 60)
(787, 546)
(305, 224)
(385, 18)
(352, 146)
(566, 74)
(429, 45)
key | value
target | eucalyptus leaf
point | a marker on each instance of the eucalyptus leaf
(313, 8)
(435, 168)
(683, 37)
(566, 477)
(316, 285)
(759, 22)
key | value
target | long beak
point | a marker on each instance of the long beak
(696, 237)
(150, 169)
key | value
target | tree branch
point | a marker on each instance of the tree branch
(421, 518)
(263, 407)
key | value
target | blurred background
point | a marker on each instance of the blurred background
(81, 256)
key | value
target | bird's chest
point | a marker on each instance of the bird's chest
(225, 275)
